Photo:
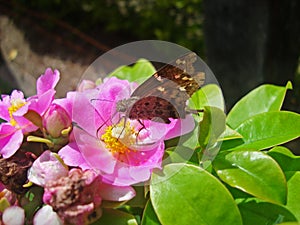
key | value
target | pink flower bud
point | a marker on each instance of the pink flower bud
(55, 120)
(86, 85)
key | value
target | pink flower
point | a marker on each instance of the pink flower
(47, 167)
(123, 151)
(23, 115)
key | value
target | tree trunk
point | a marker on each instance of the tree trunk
(249, 42)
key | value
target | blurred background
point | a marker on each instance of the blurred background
(244, 42)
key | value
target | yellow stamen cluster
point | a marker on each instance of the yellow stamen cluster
(16, 104)
(119, 138)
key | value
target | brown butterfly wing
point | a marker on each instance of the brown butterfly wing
(179, 74)
(164, 94)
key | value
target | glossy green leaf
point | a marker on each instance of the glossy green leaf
(253, 172)
(265, 98)
(186, 194)
(139, 72)
(293, 200)
(288, 162)
(115, 217)
(149, 216)
(229, 134)
(267, 130)
(209, 95)
(262, 213)
(211, 126)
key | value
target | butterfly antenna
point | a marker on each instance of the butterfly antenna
(194, 111)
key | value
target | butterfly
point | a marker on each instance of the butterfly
(165, 93)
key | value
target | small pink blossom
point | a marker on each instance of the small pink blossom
(13, 110)
(86, 85)
(55, 120)
(47, 167)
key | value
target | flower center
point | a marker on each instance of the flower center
(119, 138)
(16, 104)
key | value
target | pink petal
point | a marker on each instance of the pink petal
(116, 193)
(67, 103)
(14, 215)
(72, 156)
(46, 216)
(10, 140)
(41, 104)
(94, 152)
(46, 168)
(182, 126)
(47, 81)
(84, 114)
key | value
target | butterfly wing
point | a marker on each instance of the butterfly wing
(178, 76)
(164, 94)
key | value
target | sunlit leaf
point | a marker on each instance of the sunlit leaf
(266, 130)
(265, 98)
(253, 172)
(186, 194)
(209, 95)
(139, 72)
(211, 126)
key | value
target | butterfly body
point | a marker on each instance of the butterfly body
(164, 95)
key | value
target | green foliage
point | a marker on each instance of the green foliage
(236, 173)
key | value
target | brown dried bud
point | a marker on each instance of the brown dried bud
(13, 171)
(75, 198)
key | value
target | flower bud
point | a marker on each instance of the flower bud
(86, 85)
(55, 120)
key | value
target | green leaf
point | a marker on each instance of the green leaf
(4, 204)
(293, 199)
(229, 134)
(139, 72)
(265, 98)
(149, 216)
(288, 162)
(186, 194)
(289, 223)
(31, 201)
(211, 126)
(261, 213)
(266, 130)
(253, 172)
(209, 95)
(115, 217)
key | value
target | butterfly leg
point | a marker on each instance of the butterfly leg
(143, 127)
